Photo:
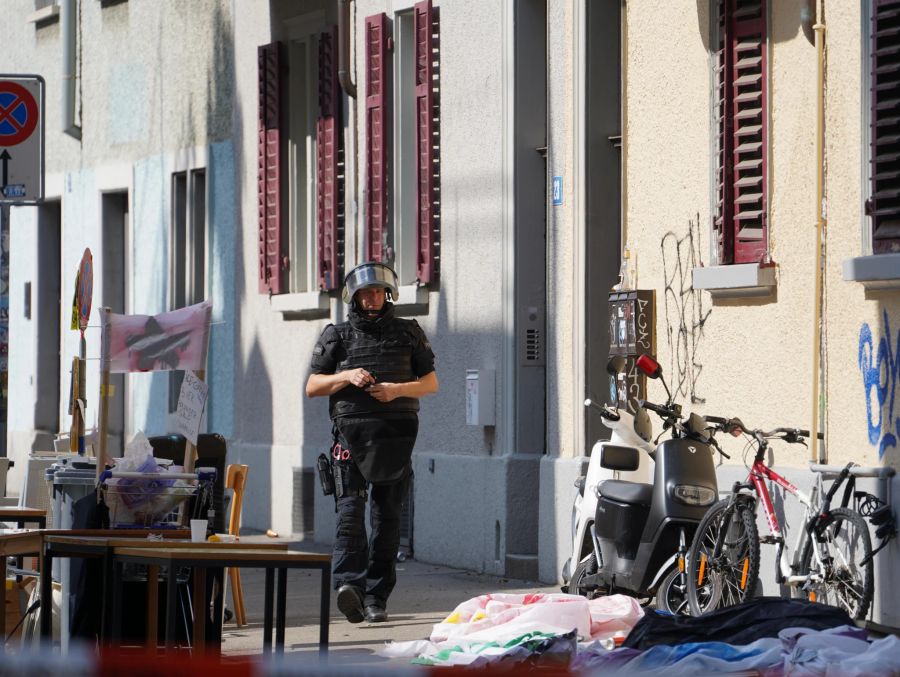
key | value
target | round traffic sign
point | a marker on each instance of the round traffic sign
(18, 113)
(85, 289)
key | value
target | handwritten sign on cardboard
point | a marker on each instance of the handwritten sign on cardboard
(191, 402)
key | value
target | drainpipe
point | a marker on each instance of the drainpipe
(351, 159)
(347, 84)
(68, 31)
(819, 28)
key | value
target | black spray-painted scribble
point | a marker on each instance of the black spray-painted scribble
(685, 315)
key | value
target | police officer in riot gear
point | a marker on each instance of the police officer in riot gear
(374, 368)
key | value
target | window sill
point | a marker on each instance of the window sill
(412, 296)
(305, 305)
(736, 281)
(45, 15)
(876, 272)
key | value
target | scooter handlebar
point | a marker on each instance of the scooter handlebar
(665, 412)
(605, 412)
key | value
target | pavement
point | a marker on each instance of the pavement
(425, 595)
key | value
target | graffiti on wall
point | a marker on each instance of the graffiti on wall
(879, 364)
(685, 314)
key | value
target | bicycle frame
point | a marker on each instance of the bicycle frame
(760, 472)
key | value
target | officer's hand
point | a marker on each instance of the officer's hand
(360, 378)
(385, 392)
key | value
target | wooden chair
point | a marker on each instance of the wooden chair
(236, 479)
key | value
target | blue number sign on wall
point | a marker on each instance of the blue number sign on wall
(557, 191)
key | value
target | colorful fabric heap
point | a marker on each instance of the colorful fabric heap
(797, 652)
(541, 628)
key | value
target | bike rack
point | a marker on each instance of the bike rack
(881, 517)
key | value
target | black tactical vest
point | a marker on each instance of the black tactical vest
(386, 353)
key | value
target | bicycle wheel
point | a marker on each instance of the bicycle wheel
(841, 580)
(723, 561)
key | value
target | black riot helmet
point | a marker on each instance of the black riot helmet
(371, 274)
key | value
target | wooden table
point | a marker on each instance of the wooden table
(227, 555)
(15, 543)
(23, 516)
(100, 544)
(24, 542)
(78, 544)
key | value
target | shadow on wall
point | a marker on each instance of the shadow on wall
(219, 120)
(878, 362)
(787, 18)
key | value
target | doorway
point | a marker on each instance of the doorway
(47, 330)
(603, 199)
(114, 276)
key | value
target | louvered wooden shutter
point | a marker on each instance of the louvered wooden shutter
(328, 161)
(376, 135)
(272, 259)
(724, 218)
(427, 141)
(742, 128)
(884, 204)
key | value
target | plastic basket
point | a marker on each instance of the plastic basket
(144, 500)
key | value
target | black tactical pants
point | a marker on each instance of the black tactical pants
(366, 563)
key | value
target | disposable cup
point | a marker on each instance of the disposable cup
(198, 531)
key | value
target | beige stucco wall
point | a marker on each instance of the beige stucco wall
(752, 357)
(848, 305)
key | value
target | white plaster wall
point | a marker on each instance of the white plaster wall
(462, 318)
(154, 90)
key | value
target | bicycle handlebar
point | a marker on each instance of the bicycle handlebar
(790, 435)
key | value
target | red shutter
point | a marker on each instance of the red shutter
(328, 179)
(377, 66)
(742, 118)
(427, 141)
(884, 203)
(724, 218)
(272, 260)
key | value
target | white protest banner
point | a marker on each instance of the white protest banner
(190, 406)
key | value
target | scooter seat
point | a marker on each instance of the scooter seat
(626, 492)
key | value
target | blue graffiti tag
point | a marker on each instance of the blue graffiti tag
(881, 373)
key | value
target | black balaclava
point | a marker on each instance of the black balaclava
(362, 321)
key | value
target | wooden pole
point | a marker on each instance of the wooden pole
(74, 410)
(190, 451)
(190, 458)
(102, 454)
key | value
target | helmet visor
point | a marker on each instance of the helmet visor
(370, 275)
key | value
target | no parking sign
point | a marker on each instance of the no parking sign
(21, 138)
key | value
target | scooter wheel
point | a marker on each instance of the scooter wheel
(585, 568)
(671, 595)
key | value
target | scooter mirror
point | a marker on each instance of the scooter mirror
(615, 365)
(649, 366)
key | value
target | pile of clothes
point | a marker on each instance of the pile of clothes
(611, 635)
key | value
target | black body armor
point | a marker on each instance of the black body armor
(384, 347)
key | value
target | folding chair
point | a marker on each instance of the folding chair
(236, 479)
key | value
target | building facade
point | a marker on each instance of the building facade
(502, 155)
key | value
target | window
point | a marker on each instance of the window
(741, 124)
(300, 169)
(301, 128)
(187, 247)
(403, 144)
(882, 207)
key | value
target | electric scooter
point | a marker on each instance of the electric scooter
(639, 504)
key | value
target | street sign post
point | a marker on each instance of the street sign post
(21, 139)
